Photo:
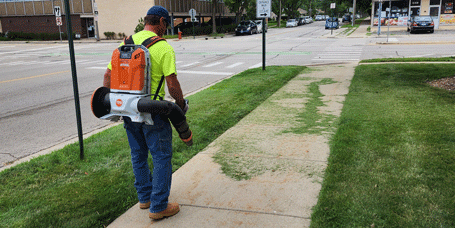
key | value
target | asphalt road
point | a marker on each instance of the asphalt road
(36, 90)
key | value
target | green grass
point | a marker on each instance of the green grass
(392, 161)
(442, 59)
(59, 190)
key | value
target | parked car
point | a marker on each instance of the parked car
(246, 27)
(291, 23)
(260, 27)
(421, 23)
(308, 19)
(332, 23)
(346, 18)
(319, 17)
(301, 21)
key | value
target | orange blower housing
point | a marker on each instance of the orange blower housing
(129, 95)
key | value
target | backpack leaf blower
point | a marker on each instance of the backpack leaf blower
(129, 94)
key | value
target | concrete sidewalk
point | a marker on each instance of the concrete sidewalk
(284, 168)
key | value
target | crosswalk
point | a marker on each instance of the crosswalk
(182, 66)
(342, 53)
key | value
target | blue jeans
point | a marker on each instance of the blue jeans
(157, 139)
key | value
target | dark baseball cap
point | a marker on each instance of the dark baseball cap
(160, 11)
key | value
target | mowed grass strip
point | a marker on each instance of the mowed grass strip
(59, 190)
(392, 161)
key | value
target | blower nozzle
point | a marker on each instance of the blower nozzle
(107, 105)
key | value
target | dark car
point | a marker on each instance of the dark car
(301, 21)
(421, 23)
(346, 17)
(246, 27)
(332, 22)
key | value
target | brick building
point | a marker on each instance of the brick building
(37, 16)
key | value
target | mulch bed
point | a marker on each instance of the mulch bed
(444, 83)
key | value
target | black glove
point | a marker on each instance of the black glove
(185, 109)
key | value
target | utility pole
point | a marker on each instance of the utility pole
(279, 16)
(353, 14)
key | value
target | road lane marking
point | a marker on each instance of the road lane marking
(37, 76)
(235, 64)
(255, 66)
(190, 64)
(213, 64)
(203, 72)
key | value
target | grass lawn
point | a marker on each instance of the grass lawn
(392, 161)
(420, 59)
(59, 190)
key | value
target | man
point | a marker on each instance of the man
(153, 190)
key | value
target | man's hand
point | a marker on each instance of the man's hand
(175, 90)
(107, 79)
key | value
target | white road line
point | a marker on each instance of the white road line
(235, 64)
(190, 64)
(96, 68)
(340, 54)
(213, 64)
(255, 66)
(58, 62)
(30, 50)
(335, 60)
(204, 72)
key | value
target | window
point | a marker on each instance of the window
(415, 2)
(447, 7)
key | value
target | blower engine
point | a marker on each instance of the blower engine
(130, 96)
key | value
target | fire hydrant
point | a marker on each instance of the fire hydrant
(180, 35)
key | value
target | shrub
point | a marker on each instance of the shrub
(110, 35)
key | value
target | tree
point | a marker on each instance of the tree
(290, 7)
(238, 7)
(214, 4)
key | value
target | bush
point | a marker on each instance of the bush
(110, 35)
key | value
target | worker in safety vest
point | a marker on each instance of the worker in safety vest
(153, 190)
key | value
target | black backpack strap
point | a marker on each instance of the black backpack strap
(158, 89)
(148, 43)
(128, 40)
(151, 41)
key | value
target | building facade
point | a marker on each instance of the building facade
(398, 12)
(37, 16)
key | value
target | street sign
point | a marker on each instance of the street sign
(59, 21)
(332, 5)
(192, 13)
(57, 11)
(263, 8)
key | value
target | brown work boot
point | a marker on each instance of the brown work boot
(144, 205)
(172, 209)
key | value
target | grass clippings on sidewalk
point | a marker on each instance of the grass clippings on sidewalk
(59, 190)
(392, 161)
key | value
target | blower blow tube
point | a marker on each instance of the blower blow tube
(104, 107)
(171, 111)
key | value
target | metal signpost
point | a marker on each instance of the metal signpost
(263, 10)
(69, 30)
(58, 19)
(332, 6)
(193, 19)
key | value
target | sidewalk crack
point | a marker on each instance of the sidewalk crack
(248, 211)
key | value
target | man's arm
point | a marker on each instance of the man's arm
(107, 79)
(175, 90)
